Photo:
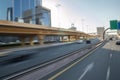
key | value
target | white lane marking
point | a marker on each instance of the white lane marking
(88, 68)
(111, 55)
(108, 73)
(4, 53)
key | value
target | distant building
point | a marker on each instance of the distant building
(18, 19)
(100, 31)
(42, 16)
(27, 16)
(73, 27)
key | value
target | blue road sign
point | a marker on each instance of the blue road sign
(119, 25)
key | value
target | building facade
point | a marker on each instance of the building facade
(10, 14)
(26, 11)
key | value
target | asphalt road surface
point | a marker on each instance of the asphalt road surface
(100, 64)
(21, 60)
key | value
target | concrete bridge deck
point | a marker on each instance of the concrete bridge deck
(24, 30)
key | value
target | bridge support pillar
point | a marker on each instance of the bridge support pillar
(69, 39)
(83, 37)
(77, 37)
(31, 38)
(62, 38)
(41, 39)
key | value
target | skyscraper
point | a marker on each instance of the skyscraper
(38, 2)
(10, 14)
(28, 11)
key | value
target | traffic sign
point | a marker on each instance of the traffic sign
(119, 25)
(113, 24)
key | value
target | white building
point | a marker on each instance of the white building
(100, 31)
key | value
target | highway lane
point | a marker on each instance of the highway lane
(10, 64)
(115, 62)
(102, 64)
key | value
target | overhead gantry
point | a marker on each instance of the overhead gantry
(24, 30)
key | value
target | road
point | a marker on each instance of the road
(100, 64)
(13, 63)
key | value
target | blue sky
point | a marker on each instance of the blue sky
(96, 13)
(3, 6)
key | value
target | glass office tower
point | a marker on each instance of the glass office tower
(27, 11)
(31, 11)
(10, 14)
(24, 10)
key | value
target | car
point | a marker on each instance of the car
(117, 42)
(88, 41)
(111, 39)
(79, 41)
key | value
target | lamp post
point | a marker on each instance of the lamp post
(82, 22)
(87, 29)
(58, 5)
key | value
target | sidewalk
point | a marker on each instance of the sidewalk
(5, 52)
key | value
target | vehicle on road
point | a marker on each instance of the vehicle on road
(79, 41)
(118, 42)
(88, 41)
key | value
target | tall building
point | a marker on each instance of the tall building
(38, 2)
(27, 16)
(31, 11)
(27, 11)
(10, 14)
(24, 9)
(42, 16)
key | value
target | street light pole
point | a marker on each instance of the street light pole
(58, 5)
(87, 28)
(82, 21)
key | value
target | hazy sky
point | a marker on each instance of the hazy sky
(85, 14)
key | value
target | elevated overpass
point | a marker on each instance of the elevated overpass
(24, 30)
